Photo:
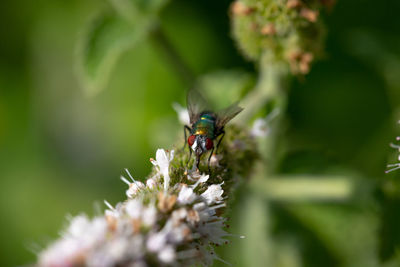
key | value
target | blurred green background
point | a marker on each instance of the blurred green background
(61, 151)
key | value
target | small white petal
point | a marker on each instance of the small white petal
(156, 241)
(203, 178)
(213, 194)
(167, 254)
(151, 183)
(134, 208)
(260, 128)
(162, 162)
(134, 188)
(149, 215)
(186, 195)
(78, 226)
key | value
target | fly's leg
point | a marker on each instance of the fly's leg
(186, 128)
(219, 141)
(209, 159)
(190, 156)
(197, 162)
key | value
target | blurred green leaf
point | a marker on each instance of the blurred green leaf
(133, 9)
(109, 34)
(102, 44)
(351, 234)
(305, 188)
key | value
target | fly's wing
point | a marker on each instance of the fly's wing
(225, 115)
(196, 104)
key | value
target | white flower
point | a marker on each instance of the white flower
(78, 226)
(186, 195)
(261, 127)
(149, 216)
(213, 194)
(81, 235)
(111, 211)
(151, 183)
(162, 162)
(214, 231)
(183, 113)
(156, 241)
(134, 208)
(134, 187)
(167, 254)
(61, 253)
(214, 161)
(202, 179)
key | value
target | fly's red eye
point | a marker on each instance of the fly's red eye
(209, 144)
(191, 140)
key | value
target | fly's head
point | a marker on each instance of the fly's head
(200, 144)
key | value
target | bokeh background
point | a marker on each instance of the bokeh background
(62, 152)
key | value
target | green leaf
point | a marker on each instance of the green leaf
(101, 45)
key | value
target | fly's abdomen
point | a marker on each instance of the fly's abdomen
(205, 126)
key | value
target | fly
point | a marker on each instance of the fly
(206, 126)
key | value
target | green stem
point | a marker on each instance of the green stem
(171, 54)
(305, 188)
(269, 87)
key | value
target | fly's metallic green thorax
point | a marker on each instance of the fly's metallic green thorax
(205, 125)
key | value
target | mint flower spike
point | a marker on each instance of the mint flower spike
(174, 221)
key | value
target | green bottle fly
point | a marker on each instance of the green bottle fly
(205, 125)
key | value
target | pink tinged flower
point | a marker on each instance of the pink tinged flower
(178, 215)
(183, 114)
(156, 241)
(179, 233)
(111, 211)
(81, 236)
(213, 194)
(134, 208)
(215, 159)
(162, 161)
(63, 253)
(186, 195)
(149, 216)
(167, 254)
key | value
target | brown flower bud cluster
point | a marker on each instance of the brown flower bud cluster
(289, 30)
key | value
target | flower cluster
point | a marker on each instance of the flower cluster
(174, 218)
(287, 30)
